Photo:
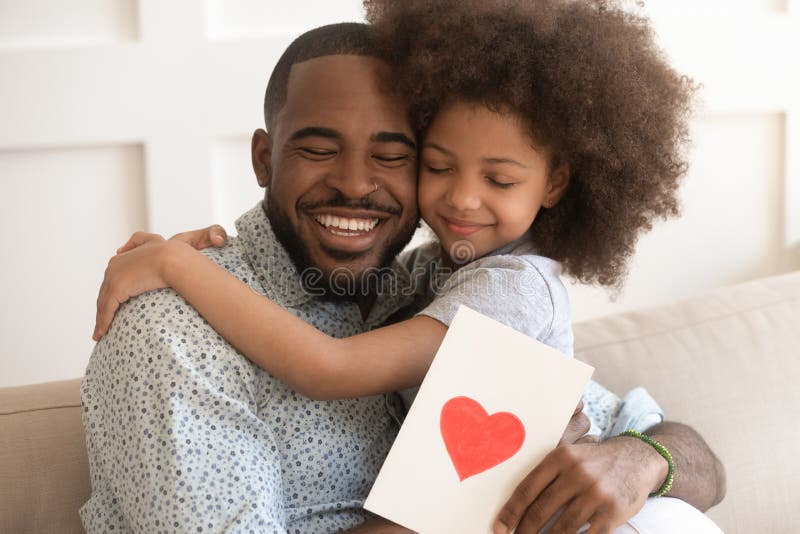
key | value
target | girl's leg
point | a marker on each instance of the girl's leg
(664, 515)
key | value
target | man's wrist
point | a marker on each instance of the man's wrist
(655, 466)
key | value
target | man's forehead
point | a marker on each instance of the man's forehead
(365, 68)
(334, 89)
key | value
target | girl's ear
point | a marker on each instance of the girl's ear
(261, 153)
(557, 184)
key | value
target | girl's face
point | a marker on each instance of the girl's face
(481, 181)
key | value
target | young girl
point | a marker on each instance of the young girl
(552, 135)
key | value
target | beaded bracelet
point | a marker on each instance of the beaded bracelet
(662, 450)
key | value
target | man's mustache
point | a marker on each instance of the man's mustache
(339, 201)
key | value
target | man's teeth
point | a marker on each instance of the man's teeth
(350, 225)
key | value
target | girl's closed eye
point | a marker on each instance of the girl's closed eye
(437, 168)
(501, 182)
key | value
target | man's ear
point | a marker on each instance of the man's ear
(557, 184)
(261, 153)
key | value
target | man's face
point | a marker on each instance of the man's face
(341, 167)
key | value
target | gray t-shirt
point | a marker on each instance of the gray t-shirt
(523, 290)
(513, 286)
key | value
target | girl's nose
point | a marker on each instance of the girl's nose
(463, 194)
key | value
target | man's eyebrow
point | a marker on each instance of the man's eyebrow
(393, 137)
(315, 131)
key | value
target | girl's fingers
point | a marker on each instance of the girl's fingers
(96, 334)
(127, 246)
(138, 239)
(212, 236)
(217, 234)
(106, 309)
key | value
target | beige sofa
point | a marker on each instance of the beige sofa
(727, 362)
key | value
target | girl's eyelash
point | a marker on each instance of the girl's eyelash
(501, 185)
(436, 170)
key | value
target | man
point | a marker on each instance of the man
(186, 434)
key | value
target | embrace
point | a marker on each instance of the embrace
(256, 384)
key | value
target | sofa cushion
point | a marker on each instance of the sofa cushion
(44, 473)
(728, 364)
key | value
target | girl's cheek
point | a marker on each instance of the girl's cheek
(426, 191)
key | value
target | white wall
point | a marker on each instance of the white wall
(126, 114)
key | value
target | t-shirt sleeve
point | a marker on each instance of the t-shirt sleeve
(506, 288)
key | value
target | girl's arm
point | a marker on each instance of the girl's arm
(312, 363)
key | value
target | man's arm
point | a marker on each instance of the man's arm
(700, 476)
(607, 483)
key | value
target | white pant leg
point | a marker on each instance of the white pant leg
(667, 515)
(662, 515)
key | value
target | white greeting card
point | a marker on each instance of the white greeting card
(492, 405)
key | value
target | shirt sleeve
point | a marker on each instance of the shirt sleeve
(506, 288)
(173, 437)
(611, 415)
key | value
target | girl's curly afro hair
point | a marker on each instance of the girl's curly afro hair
(590, 84)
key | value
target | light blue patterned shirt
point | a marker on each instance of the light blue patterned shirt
(185, 434)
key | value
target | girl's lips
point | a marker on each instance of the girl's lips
(462, 227)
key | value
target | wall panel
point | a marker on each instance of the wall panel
(65, 212)
(52, 23)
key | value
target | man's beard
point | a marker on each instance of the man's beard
(342, 284)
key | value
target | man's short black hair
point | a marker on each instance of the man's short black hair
(346, 38)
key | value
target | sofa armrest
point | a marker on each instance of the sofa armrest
(728, 364)
(44, 471)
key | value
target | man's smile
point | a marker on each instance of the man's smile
(346, 226)
(346, 229)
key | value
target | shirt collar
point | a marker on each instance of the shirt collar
(522, 245)
(274, 269)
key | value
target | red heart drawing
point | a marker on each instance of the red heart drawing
(475, 440)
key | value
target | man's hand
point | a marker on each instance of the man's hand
(212, 236)
(604, 484)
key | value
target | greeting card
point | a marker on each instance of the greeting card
(493, 404)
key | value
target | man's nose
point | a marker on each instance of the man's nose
(463, 194)
(352, 176)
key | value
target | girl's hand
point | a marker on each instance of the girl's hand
(132, 273)
(212, 236)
